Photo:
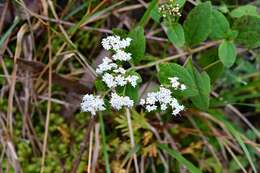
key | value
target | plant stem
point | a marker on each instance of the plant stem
(132, 137)
(103, 134)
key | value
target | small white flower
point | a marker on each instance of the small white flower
(106, 65)
(109, 80)
(133, 80)
(119, 70)
(164, 95)
(142, 102)
(118, 102)
(163, 107)
(120, 80)
(115, 43)
(174, 82)
(183, 87)
(150, 108)
(164, 99)
(121, 56)
(92, 104)
(151, 98)
(176, 107)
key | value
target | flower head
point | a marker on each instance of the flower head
(121, 56)
(170, 9)
(115, 43)
(118, 102)
(162, 98)
(92, 104)
(106, 65)
(176, 84)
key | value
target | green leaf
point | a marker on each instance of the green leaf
(227, 53)
(202, 82)
(100, 85)
(120, 32)
(175, 70)
(246, 10)
(132, 92)
(175, 34)
(155, 15)
(219, 25)
(145, 18)
(210, 62)
(237, 135)
(137, 47)
(182, 160)
(248, 28)
(180, 2)
(197, 24)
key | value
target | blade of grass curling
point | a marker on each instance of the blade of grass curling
(175, 154)
(237, 135)
(103, 134)
(147, 13)
(8, 32)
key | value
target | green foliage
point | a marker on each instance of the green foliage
(209, 61)
(175, 34)
(246, 10)
(248, 28)
(202, 83)
(219, 24)
(237, 136)
(149, 10)
(227, 53)
(175, 70)
(175, 154)
(197, 25)
(137, 47)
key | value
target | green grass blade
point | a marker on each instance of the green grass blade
(147, 13)
(175, 154)
(8, 32)
(237, 135)
(103, 134)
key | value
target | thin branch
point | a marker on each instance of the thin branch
(131, 133)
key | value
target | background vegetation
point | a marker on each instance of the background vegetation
(48, 50)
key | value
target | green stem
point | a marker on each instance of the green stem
(102, 126)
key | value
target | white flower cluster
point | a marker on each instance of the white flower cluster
(118, 102)
(115, 43)
(162, 98)
(169, 9)
(176, 84)
(92, 104)
(112, 75)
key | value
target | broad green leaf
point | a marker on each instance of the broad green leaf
(197, 25)
(145, 18)
(202, 82)
(175, 34)
(175, 70)
(237, 136)
(248, 28)
(182, 160)
(209, 61)
(227, 53)
(219, 25)
(132, 92)
(137, 47)
(246, 10)
(155, 15)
